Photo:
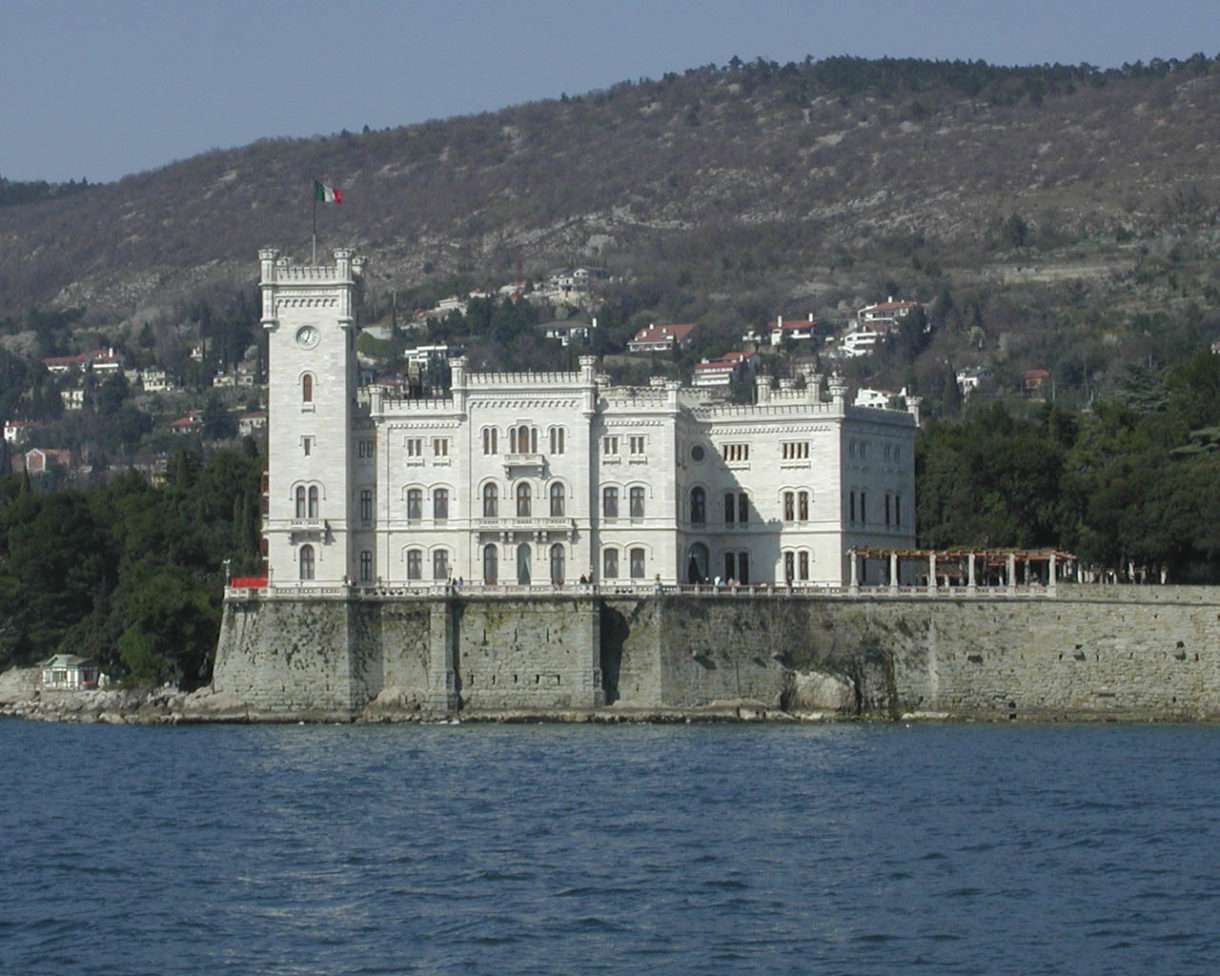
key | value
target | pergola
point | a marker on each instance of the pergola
(949, 563)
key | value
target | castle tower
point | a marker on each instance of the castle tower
(309, 315)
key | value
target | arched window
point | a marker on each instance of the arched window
(609, 564)
(440, 504)
(440, 564)
(557, 499)
(301, 501)
(803, 506)
(307, 388)
(523, 564)
(415, 564)
(415, 504)
(804, 565)
(524, 496)
(558, 563)
(491, 563)
(637, 502)
(698, 505)
(524, 439)
(307, 566)
(489, 440)
(491, 497)
(789, 506)
(556, 435)
(313, 501)
(789, 566)
(637, 563)
(696, 563)
(610, 502)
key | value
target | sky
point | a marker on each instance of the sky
(104, 88)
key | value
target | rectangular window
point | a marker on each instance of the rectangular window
(637, 502)
(415, 447)
(735, 452)
(898, 510)
(366, 449)
(307, 445)
(609, 564)
(366, 505)
(789, 566)
(440, 447)
(610, 502)
(804, 566)
(730, 566)
(415, 504)
(887, 509)
(366, 566)
(610, 446)
(415, 564)
(743, 508)
(803, 506)
(636, 444)
(853, 506)
(788, 506)
(440, 504)
(795, 450)
(863, 509)
(556, 437)
(730, 507)
(490, 438)
(440, 564)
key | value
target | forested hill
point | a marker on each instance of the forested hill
(740, 190)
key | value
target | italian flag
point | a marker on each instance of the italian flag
(326, 194)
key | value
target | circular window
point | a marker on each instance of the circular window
(696, 452)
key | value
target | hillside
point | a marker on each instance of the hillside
(1045, 215)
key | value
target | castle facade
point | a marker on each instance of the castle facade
(537, 479)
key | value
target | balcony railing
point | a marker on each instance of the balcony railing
(627, 588)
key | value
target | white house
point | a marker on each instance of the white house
(799, 330)
(539, 478)
(662, 338)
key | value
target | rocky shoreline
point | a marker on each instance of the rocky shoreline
(20, 698)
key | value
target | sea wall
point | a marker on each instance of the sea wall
(1090, 652)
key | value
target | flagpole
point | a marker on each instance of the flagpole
(313, 192)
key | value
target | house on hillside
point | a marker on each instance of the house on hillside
(885, 316)
(68, 672)
(972, 377)
(1035, 383)
(662, 338)
(799, 330)
(157, 381)
(568, 331)
(722, 370)
(40, 460)
(17, 432)
(249, 424)
(192, 423)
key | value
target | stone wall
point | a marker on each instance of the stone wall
(1088, 654)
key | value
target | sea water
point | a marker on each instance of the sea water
(847, 848)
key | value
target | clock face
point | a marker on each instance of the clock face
(308, 336)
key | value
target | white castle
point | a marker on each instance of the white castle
(539, 479)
